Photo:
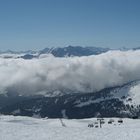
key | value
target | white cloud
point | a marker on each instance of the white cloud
(77, 74)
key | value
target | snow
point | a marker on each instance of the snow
(86, 103)
(124, 93)
(64, 114)
(26, 128)
(16, 111)
(135, 94)
(129, 92)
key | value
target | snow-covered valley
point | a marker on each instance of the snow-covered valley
(26, 128)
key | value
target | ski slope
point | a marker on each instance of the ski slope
(26, 128)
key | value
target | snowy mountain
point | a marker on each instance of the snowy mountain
(57, 52)
(68, 51)
(26, 128)
(74, 51)
(120, 101)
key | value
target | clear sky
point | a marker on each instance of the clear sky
(36, 24)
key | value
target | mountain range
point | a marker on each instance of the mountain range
(68, 51)
(119, 101)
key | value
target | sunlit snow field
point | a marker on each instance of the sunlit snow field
(26, 128)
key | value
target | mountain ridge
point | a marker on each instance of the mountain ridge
(68, 51)
(110, 102)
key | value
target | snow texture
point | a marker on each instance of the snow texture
(25, 128)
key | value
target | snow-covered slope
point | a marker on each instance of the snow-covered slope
(25, 128)
(121, 101)
(128, 93)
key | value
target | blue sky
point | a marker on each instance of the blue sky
(36, 24)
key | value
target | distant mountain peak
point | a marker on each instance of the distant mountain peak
(68, 51)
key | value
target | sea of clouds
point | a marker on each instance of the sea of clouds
(51, 75)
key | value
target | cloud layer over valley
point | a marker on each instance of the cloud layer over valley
(49, 75)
